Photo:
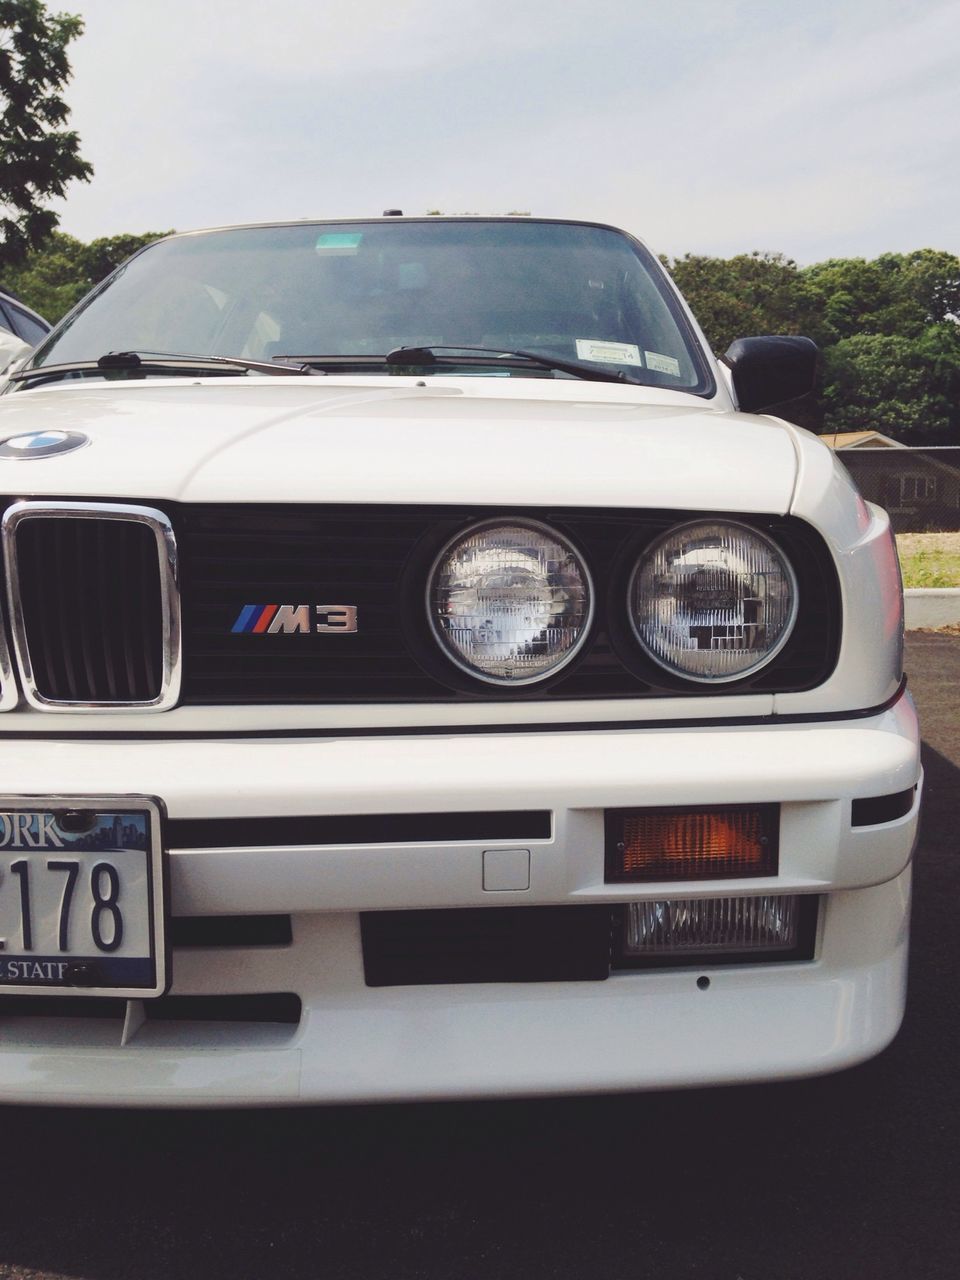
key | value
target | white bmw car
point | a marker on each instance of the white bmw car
(428, 672)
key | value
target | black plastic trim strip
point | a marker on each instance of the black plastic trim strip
(486, 944)
(460, 730)
(230, 931)
(874, 810)
(281, 1007)
(360, 829)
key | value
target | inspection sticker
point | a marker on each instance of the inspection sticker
(662, 364)
(339, 242)
(608, 352)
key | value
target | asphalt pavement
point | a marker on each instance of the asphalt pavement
(853, 1175)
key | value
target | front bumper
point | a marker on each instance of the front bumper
(354, 1042)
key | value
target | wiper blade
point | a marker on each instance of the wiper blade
(145, 362)
(427, 355)
(136, 359)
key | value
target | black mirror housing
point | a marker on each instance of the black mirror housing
(771, 370)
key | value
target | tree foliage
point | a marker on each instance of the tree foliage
(752, 293)
(895, 294)
(905, 387)
(889, 330)
(38, 155)
(56, 277)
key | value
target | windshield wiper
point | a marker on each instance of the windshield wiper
(141, 363)
(135, 359)
(426, 355)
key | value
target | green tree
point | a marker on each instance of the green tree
(888, 329)
(38, 155)
(55, 277)
(752, 293)
(896, 294)
(892, 344)
(906, 387)
(100, 257)
(50, 279)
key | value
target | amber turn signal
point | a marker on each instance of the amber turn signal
(712, 843)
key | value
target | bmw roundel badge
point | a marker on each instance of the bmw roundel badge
(42, 444)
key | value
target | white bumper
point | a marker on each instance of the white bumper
(635, 1030)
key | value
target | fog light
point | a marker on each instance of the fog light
(711, 843)
(709, 926)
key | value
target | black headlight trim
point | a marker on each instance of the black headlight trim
(378, 556)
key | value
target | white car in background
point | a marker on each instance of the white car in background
(20, 331)
(426, 672)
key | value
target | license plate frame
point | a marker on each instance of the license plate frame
(139, 860)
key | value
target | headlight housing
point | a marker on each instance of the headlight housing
(713, 601)
(510, 601)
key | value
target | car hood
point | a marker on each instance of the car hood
(491, 441)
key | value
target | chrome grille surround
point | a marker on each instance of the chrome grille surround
(166, 545)
(9, 693)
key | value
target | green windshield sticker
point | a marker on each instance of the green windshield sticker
(339, 242)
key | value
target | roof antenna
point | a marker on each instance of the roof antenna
(393, 213)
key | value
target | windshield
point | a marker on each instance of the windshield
(582, 293)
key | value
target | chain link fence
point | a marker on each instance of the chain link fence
(920, 488)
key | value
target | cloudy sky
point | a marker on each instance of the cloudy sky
(715, 126)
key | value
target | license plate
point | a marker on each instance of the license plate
(81, 897)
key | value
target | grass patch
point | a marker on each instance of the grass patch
(931, 568)
(930, 559)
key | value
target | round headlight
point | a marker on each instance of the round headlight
(713, 601)
(510, 601)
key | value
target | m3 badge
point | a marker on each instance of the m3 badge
(289, 619)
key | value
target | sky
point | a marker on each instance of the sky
(825, 129)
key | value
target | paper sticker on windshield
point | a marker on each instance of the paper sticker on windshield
(662, 364)
(608, 352)
(332, 242)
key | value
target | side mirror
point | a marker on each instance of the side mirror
(771, 370)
